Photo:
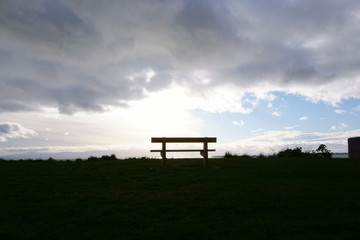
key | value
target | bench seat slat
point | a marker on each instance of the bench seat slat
(183, 139)
(183, 150)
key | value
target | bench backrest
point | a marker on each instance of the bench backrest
(183, 139)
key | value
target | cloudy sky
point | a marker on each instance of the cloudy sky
(105, 76)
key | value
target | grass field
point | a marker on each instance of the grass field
(279, 198)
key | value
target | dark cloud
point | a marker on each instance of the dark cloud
(204, 15)
(61, 16)
(91, 95)
(12, 106)
(5, 128)
(86, 55)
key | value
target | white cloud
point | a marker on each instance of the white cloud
(303, 118)
(357, 108)
(221, 99)
(14, 130)
(340, 126)
(238, 123)
(257, 130)
(290, 127)
(276, 114)
(340, 111)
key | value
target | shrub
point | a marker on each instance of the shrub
(296, 152)
(92, 158)
(103, 158)
(107, 158)
(321, 151)
(229, 155)
(139, 158)
(232, 155)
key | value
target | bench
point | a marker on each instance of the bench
(204, 151)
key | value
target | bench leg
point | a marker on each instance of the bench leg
(205, 154)
(163, 153)
(163, 156)
(205, 158)
(205, 161)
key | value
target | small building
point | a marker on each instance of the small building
(354, 147)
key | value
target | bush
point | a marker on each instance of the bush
(93, 158)
(296, 152)
(103, 158)
(107, 158)
(232, 155)
(321, 152)
(139, 158)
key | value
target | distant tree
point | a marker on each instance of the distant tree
(92, 158)
(323, 152)
(106, 157)
(103, 158)
(296, 152)
(230, 155)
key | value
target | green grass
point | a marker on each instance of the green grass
(133, 199)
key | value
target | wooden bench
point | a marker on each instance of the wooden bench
(204, 151)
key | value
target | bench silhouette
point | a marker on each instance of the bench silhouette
(203, 152)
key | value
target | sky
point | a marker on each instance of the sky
(81, 78)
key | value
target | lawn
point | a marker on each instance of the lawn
(244, 198)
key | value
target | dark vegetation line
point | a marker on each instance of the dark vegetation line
(320, 152)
